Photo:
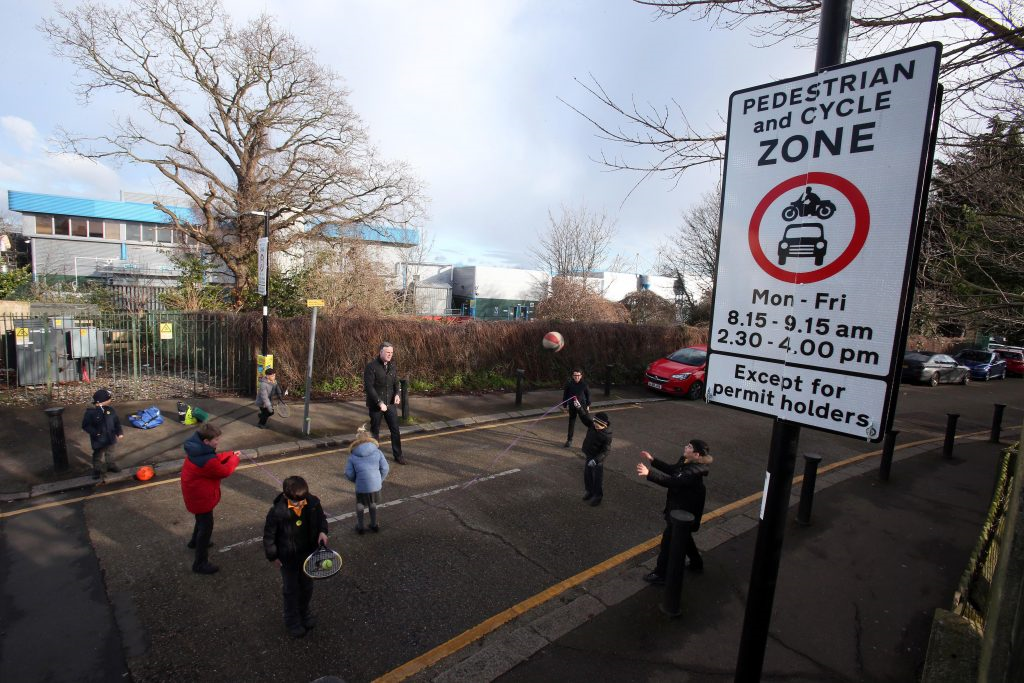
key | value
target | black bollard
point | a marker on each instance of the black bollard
(811, 462)
(671, 604)
(520, 373)
(57, 443)
(404, 383)
(887, 447)
(997, 422)
(182, 411)
(608, 379)
(947, 445)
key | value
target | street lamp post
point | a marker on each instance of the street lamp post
(265, 278)
(266, 291)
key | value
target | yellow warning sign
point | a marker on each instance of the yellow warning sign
(21, 336)
(166, 330)
(314, 303)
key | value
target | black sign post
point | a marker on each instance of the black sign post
(833, 30)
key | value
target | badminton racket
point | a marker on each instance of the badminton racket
(322, 563)
(280, 407)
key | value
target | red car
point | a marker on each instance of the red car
(681, 373)
(1014, 361)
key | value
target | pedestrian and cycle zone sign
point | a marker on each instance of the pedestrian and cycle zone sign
(821, 199)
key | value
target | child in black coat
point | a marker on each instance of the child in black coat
(104, 429)
(685, 483)
(597, 444)
(296, 526)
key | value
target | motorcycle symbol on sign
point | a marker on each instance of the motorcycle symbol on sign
(805, 240)
(809, 204)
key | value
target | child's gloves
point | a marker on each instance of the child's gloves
(591, 463)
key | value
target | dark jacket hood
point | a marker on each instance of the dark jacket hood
(199, 453)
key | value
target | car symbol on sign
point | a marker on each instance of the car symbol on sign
(803, 240)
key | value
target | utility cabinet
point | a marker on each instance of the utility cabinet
(54, 350)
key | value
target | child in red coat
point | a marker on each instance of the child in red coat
(200, 487)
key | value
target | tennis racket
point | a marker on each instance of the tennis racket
(280, 407)
(321, 563)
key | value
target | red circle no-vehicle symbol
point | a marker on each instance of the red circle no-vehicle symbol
(862, 221)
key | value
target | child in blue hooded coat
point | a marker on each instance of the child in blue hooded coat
(367, 468)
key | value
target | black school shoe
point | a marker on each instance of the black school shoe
(595, 501)
(113, 467)
(296, 630)
(206, 568)
(308, 622)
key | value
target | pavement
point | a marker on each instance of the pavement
(854, 601)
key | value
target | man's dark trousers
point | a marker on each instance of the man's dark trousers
(391, 416)
(573, 412)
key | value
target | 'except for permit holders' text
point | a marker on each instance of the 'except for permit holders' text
(835, 402)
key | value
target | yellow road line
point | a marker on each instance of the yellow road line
(249, 463)
(446, 649)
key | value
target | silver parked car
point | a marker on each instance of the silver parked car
(934, 369)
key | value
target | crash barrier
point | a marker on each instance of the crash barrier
(981, 637)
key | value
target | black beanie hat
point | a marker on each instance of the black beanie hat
(100, 396)
(603, 417)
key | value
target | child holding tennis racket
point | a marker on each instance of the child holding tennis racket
(269, 388)
(367, 468)
(296, 526)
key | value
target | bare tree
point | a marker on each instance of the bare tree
(982, 68)
(238, 119)
(692, 248)
(576, 243)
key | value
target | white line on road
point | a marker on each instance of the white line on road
(392, 503)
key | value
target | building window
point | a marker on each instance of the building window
(112, 230)
(148, 232)
(133, 231)
(96, 229)
(79, 227)
(44, 225)
(165, 235)
(61, 225)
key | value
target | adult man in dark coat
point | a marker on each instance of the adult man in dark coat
(576, 388)
(380, 382)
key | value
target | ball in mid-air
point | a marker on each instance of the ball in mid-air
(327, 564)
(553, 341)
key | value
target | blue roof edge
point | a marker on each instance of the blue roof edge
(31, 202)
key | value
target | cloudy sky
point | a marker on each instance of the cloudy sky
(467, 92)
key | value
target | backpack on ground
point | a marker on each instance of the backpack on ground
(147, 419)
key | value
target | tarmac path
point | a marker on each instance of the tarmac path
(470, 528)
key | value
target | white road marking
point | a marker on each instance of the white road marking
(391, 503)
